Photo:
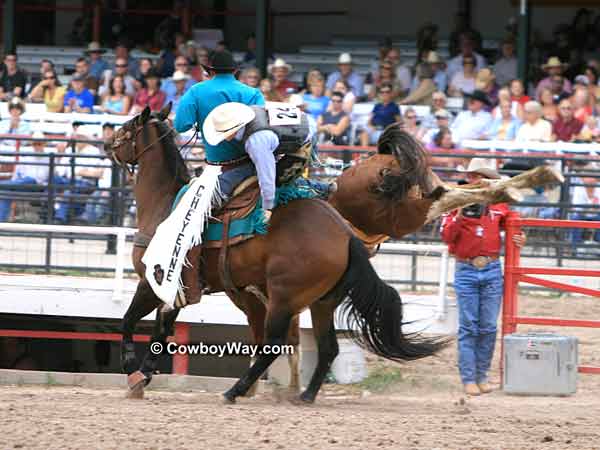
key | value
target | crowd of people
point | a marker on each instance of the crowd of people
(560, 106)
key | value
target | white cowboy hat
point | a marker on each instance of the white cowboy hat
(226, 120)
(178, 75)
(94, 47)
(482, 167)
(278, 64)
(345, 58)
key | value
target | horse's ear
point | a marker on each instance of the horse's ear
(164, 113)
(144, 116)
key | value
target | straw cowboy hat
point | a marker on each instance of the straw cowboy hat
(178, 75)
(481, 166)
(554, 61)
(226, 120)
(278, 64)
(94, 47)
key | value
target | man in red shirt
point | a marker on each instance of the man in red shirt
(280, 71)
(566, 127)
(473, 238)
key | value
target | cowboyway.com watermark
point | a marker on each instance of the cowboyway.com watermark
(221, 350)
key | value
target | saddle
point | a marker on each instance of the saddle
(241, 204)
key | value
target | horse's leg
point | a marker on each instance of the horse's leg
(321, 313)
(276, 329)
(255, 311)
(143, 303)
(294, 357)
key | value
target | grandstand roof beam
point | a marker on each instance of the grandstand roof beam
(523, 40)
(8, 26)
(262, 17)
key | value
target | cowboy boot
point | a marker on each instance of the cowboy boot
(190, 277)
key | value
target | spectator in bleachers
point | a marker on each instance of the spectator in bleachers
(169, 85)
(14, 125)
(535, 128)
(517, 92)
(250, 54)
(386, 76)
(505, 67)
(26, 174)
(410, 124)
(346, 73)
(462, 28)
(485, 81)
(270, 94)
(439, 73)
(86, 180)
(315, 100)
(13, 79)
(150, 95)
(402, 73)
(309, 78)
(45, 66)
(82, 68)
(97, 64)
(349, 98)
(515, 108)
(567, 127)
(549, 108)
(442, 120)
(586, 195)
(121, 68)
(384, 113)
(557, 88)
(592, 75)
(581, 105)
(334, 124)
(590, 131)
(554, 68)
(250, 76)
(116, 101)
(122, 52)
(198, 71)
(472, 123)
(50, 91)
(78, 98)
(145, 64)
(423, 94)
(505, 125)
(463, 81)
(280, 70)
(467, 47)
(181, 82)
(438, 102)
(442, 139)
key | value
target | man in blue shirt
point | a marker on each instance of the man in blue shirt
(203, 97)
(385, 113)
(192, 110)
(78, 98)
(97, 64)
(474, 122)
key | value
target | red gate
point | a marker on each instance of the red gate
(515, 273)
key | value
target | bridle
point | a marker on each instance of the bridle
(118, 142)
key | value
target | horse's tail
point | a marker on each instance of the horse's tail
(412, 161)
(372, 312)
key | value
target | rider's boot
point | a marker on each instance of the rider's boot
(190, 276)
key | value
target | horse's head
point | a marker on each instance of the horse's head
(131, 141)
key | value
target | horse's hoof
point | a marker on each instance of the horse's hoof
(228, 399)
(307, 398)
(136, 393)
(135, 378)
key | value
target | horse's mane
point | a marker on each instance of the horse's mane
(412, 159)
(173, 159)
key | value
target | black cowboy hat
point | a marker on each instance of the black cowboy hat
(480, 96)
(221, 61)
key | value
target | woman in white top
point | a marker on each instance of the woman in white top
(349, 97)
(589, 197)
(535, 127)
(463, 82)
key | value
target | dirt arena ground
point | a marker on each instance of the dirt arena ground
(415, 406)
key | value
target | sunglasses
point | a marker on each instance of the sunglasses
(336, 101)
(181, 64)
(386, 68)
(440, 117)
(120, 65)
(49, 78)
(387, 91)
(411, 117)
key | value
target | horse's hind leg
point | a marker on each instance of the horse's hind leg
(321, 313)
(143, 303)
(276, 329)
(294, 357)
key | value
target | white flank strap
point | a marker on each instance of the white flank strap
(182, 230)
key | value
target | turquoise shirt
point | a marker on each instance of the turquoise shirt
(202, 98)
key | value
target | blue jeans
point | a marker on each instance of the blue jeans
(6, 202)
(63, 207)
(479, 295)
(577, 233)
(229, 180)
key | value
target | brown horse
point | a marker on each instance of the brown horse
(308, 259)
